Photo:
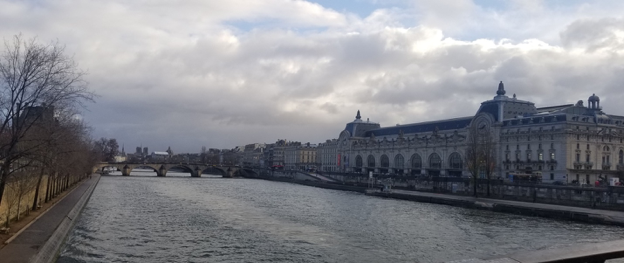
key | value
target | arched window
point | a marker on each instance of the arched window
(358, 161)
(416, 161)
(371, 161)
(435, 162)
(398, 161)
(455, 161)
(385, 162)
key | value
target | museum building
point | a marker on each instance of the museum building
(562, 143)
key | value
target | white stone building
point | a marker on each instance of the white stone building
(563, 143)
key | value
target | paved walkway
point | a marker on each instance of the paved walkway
(31, 239)
(612, 215)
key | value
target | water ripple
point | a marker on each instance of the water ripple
(131, 219)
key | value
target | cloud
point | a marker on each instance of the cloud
(186, 75)
(591, 35)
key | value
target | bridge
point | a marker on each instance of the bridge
(196, 170)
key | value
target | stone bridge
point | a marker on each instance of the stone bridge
(196, 170)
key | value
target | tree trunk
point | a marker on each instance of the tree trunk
(36, 199)
(488, 186)
(5, 173)
(49, 188)
(8, 216)
(19, 202)
(475, 186)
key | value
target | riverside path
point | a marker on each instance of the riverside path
(546, 210)
(30, 241)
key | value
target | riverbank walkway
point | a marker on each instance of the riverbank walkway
(28, 242)
(606, 216)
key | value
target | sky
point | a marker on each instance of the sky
(222, 74)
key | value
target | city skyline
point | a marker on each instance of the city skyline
(226, 74)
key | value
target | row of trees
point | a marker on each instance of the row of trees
(480, 154)
(41, 90)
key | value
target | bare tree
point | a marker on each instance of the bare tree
(473, 155)
(34, 79)
(20, 185)
(67, 135)
(107, 148)
(480, 154)
(488, 155)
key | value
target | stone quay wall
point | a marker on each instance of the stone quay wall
(607, 197)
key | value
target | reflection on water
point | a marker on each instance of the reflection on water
(182, 219)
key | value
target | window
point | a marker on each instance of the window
(539, 146)
(588, 147)
(529, 156)
(552, 176)
(416, 161)
(507, 148)
(385, 163)
(577, 146)
(578, 137)
(540, 156)
(371, 161)
(578, 157)
(398, 161)
(528, 147)
(621, 157)
(587, 158)
(358, 161)
(552, 168)
(434, 161)
(455, 161)
(552, 156)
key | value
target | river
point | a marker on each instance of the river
(177, 218)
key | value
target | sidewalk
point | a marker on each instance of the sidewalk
(546, 210)
(31, 239)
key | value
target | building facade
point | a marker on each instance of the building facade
(566, 143)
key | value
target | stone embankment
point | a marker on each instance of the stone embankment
(42, 240)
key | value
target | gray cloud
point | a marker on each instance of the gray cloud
(185, 76)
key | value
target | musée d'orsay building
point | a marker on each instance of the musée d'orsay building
(564, 143)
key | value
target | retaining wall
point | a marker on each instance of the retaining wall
(50, 250)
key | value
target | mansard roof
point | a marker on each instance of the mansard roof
(449, 124)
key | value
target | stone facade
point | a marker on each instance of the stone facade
(562, 143)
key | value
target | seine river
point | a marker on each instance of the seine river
(182, 219)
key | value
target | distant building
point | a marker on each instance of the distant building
(252, 154)
(159, 156)
(299, 156)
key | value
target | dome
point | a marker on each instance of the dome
(593, 98)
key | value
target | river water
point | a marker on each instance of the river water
(182, 219)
